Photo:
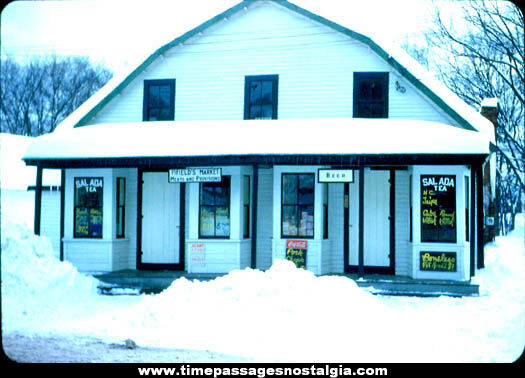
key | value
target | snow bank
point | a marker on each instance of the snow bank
(35, 285)
(283, 314)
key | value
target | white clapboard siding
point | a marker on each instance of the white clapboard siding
(50, 218)
(264, 219)
(336, 226)
(403, 251)
(131, 217)
(315, 65)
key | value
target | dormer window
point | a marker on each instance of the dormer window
(370, 94)
(159, 100)
(260, 97)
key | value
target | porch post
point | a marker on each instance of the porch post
(346, 225)
(62, 210)
(38, 199)
(182, 225)
(255, 191)
(479, 212)
(360, 269)
(472, 221)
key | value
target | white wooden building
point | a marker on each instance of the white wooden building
(329, 149)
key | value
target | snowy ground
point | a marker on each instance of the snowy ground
(51, 313)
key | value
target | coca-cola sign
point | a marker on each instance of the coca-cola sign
(296, 252)
(303, 244)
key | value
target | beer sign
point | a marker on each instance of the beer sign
(335, 175)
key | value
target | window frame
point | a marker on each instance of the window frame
(369, 76)
(326, 201)
(145, 102)
(438, 229)
(246, 207)
(298, 236)
(120, 181)
(75, 207)
(228, 177)
(275, 93)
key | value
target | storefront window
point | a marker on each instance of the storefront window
(214, 214)
(297, 198)
(438, 208)
(121, 206)
(325, 211)
(246, 208)
(88, 207)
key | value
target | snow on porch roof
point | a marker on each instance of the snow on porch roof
(325, 136)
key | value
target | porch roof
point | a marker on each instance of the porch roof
(327, 136)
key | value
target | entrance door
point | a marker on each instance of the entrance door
(160, 224)
(377, 222)
(377, 226)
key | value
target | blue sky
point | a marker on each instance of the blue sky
(117, 32)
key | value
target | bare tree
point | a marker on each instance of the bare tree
(36, 97)
(481, 55)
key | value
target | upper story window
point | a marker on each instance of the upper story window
(260, 97)
(370, 94)
(159, 100)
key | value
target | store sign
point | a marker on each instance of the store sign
(438, 261)
(296, 252)
(335, 175)
(195, 175)
(438, 208)
(198, 255)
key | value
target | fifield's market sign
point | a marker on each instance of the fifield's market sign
(195, 175)
(438, 261)
(296, 252)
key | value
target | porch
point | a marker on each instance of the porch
(147, 281)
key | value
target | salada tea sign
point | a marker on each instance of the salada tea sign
(296, 252)
(438, 261)
(195, 175)
(88, 207)
(438, 208)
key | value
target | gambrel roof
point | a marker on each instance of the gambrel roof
(451, 104)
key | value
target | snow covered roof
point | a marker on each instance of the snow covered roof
(410, 69)
(255, 137)
(14, 174)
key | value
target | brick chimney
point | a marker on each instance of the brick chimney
(489, 109)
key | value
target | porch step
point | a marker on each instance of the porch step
(420, 288)
(135, 282)
(144, 282)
